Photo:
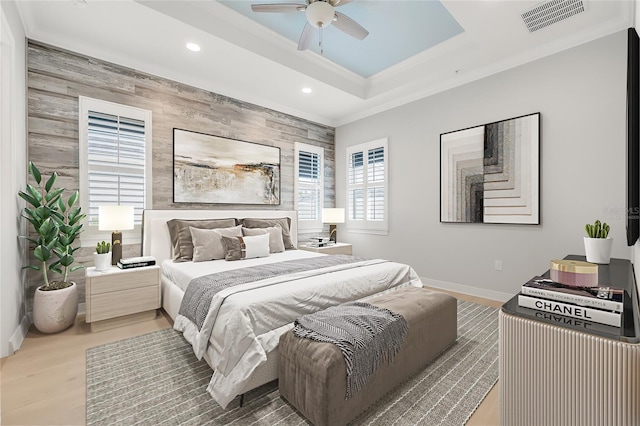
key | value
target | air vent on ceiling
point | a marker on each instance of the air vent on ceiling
(550, 12)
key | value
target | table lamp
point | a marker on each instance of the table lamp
(333, 216)
(115, 219)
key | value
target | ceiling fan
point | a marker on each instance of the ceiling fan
(320, 14)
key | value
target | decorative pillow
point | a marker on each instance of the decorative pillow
(181, 235)
(284, 222)
(246, 247)
(276, 244)
(207, 243)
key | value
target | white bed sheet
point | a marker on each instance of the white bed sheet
(181, 273)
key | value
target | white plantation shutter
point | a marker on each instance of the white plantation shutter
(116, 162)
(115, 151)
(309, 186)
(367, 187)
(376, 184)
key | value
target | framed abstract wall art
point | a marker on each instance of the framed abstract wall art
(215, 170)
(491, 173)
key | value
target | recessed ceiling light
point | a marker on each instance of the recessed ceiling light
(306, 90)
(193, 47)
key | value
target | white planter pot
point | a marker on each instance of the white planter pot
(598, 250)
(102, 261)
(55, 310)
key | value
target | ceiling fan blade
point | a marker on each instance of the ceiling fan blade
(337, 3)
(305, 38)
(278, 7)
(349, 26)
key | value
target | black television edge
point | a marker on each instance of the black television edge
(633, 137)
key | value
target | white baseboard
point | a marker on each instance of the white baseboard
(466, 289)
(23, 328)
(19, 334)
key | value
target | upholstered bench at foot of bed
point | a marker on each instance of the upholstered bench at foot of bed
(312, 375)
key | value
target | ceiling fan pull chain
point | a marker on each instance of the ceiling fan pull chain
(320, 42)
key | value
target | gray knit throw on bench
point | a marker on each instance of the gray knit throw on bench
(365, 334)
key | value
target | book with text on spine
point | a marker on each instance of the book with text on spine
(569, 310)
(135, 265)
(588, 326)
(139, 259)
(607, 298)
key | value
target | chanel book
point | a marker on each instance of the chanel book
(569, 310)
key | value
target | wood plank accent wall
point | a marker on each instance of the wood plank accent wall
(57, 77)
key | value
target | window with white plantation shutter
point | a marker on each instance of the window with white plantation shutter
(309, 186)
(367, 187)
(115, 166)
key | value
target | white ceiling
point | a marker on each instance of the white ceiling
(247, 61)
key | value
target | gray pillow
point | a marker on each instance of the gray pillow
(181, 235)
(207, 243)
(284, 222)
(276, 243)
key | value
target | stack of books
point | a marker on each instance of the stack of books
(320, 242)
(604, 305)
(136, 262)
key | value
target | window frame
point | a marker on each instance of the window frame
(309, 225)
(91, 235)
(366, 225)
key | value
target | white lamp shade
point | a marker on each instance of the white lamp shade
(320, 14)
(115, 218)
(333, 215)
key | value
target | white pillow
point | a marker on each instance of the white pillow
(246, 247)
(276, 243)
(256, 246)
(207, 243)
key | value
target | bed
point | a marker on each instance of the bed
(240, 342)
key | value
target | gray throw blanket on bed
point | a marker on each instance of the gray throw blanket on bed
(365, 334)
(200, 291)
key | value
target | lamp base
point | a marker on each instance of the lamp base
(333, 233)
(116, 247)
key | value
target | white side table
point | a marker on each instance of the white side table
(337, 248)
(119, 297)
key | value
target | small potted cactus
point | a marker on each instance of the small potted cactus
(102, 256)
(597, 243)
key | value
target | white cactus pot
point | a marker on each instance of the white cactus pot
(102, 261)
(598, 250)
(55, 310)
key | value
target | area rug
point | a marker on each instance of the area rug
(155, 379)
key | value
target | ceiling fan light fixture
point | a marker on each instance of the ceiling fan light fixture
(320, 14)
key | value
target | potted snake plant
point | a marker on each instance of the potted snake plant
(57, 224)
(597, 243)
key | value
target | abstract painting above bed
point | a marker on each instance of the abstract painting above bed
(215, 170)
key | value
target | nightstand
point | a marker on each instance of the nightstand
(337, 248)
(117, 297)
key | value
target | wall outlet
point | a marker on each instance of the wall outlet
(498, 265)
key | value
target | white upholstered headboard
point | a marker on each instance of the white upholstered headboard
(156, 241)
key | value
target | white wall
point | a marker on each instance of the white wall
(13, 317)
(580, 94)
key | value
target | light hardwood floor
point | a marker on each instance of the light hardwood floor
(44, 383)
